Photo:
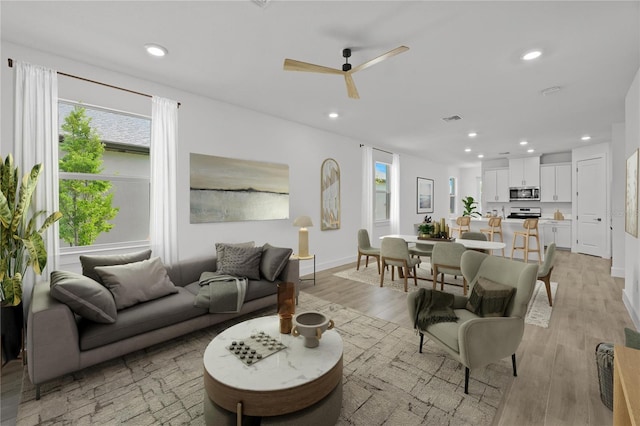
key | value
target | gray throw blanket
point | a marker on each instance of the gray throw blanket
(433, 306)
(221, 293)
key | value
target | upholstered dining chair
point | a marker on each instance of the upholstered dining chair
(477, 341)
(445, 259)
(544, 270)
(394, 252)
(365, 249)
(478, 236)
(421, 250)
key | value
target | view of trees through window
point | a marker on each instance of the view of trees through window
(452, 195)
(383, 191)
(104, 176)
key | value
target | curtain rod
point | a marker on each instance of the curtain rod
(377, 149)
(96, 82)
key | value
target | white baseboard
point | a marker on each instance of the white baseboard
(617, 272)
(635, 316)
(306, 267)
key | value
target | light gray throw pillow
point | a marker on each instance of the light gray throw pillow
(220, 248)
(241, 262)
(137, 282)
(89, 263)
(273, 261)
(83, 296)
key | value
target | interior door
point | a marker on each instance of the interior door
(591, 212)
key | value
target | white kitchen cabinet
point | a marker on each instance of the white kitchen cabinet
(524, 172)
(555, 183)
(495, 186)
(557, 231)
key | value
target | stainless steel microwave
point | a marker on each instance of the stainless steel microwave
(524, 194)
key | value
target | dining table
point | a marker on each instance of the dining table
(470, 244)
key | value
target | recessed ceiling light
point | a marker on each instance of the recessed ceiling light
(472, 134)
(533, 54)
(585, 137)
(550, 90)
(523, 143)
(467, 150)
(480, 155)
(334, 115)
(530, 150)
(155, 50)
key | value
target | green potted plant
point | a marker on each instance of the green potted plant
(425, 230)
(470, 207)
(21, 247)
(21, 243)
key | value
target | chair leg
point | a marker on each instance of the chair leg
(547, 284)
(366, 261)
(382, 275)
(415, 276)
(358, 264)
(434, 270)
(37, 392)
(466, 380)
(464, 286)
(513, 361)
(513, 245)
(421, 341)
(442, 281)
(406, 278)
(378, 263)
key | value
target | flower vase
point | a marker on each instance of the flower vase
(286, 305)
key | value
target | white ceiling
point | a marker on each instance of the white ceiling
(464, 59)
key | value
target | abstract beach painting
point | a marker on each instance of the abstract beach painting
(233, 190)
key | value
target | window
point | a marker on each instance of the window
(383, 191)
(103, 176)
(452, 195)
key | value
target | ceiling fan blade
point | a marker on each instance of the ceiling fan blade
(380, 58)
(293, 65)
(351, 86)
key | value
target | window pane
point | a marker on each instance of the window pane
(383, 191)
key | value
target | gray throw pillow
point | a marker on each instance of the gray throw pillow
(83, 296)
(273, 261)
(89, 263)
(241, 262)
(631, 338)
(489, 298)
(137, 282)
(220, 248)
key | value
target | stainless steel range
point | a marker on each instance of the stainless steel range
(524, 213)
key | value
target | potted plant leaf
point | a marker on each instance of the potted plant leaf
(425, 230)
(470, 207)
(21, 243)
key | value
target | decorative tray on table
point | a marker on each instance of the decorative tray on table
(438, 240)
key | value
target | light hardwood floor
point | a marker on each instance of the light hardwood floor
(557, 381)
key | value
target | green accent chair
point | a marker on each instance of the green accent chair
(445, 259)
(544, 270)
(365, 249)
(476, 341)
(394, 252)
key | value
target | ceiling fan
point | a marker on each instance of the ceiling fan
(347, 70)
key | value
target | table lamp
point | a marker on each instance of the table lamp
(303, 235)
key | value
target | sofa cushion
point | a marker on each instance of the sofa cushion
(84, 296)
(136, 282)
(220, 248)
(139, 319)
(273, 261)
(447, 332)
(89, 263)
(241, 262)
(489, 298)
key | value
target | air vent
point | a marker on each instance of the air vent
(504, 153)
(262, 3)
(452, 118)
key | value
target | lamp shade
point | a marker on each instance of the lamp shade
(303, 221)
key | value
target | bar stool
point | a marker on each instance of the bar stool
(495, 227)
(464, 225)
(531, 230)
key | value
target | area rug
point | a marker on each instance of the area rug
(538, 311)
(386, 381)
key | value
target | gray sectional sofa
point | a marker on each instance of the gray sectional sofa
(60, 341)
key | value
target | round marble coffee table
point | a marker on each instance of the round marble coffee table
(296, 383)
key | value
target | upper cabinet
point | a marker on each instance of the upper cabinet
(555, 183)
(495, 186)
(524, 172)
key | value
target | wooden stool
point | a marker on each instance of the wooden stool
(464, 225)
(531, 230)
(495, 227)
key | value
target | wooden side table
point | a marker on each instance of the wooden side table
(310, 257)
(626, 386)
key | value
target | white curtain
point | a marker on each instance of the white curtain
(367, 189)
(394, 211)
(36, 141)
(163, 221)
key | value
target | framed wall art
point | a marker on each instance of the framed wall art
(424, 195)
(233, 190)
(330, 194)
(631, 196)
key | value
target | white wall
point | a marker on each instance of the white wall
(207, 126)
(617, 200)
(468, 187)
(631, 293)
